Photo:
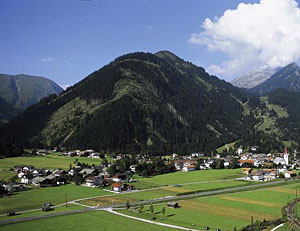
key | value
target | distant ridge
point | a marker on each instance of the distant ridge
(22, 91)
(254, 78)
(287, 78)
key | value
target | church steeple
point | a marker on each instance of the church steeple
(286, 155)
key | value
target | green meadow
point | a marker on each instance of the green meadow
(40, 212)
(52, 161)
(92, 221)
(187, 177)
(225, 211)
(35, 197)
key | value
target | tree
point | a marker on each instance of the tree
(70, 166)
(163, 210)
(151, 208)
(127, 204)
(141, 208)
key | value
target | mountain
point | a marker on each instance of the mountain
(287, 78)
(6, 112)
(22, 91)
(140, 102)
(253, 78)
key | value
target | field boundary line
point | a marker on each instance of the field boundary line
(148, 221)
(278, 226)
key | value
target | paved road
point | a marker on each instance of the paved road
(291, 214)
(163, 199)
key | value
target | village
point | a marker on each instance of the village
(109, 176)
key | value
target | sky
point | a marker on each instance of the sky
(65, 40)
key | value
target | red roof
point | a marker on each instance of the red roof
(117, 184)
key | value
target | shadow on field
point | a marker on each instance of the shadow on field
(171, 215)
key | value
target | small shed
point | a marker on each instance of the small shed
(47, 207)
(11, 213)
(173, 204)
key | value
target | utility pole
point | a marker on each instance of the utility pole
(252, 223)
(296, 193)
(66, 200)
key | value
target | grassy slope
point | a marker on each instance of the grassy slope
(50, 161)
(35, 197)
(268, 122)
(92, 221)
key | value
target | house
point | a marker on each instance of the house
(59, 172)
(13, 187)
(88, 172)
(40, 181)
(243, 162)
(27, 179)
(94, 181)
(279, 160)
(289, 174)
(74, 170)
(117, 187)
(189, 168)
(246, 171)
(21, 174)
(28, 168)
(55, 180)
(257, 176)
(120, 177)
(172, 204)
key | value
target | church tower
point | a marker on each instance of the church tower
(286, 156)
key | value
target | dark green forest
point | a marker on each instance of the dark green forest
(152, 104)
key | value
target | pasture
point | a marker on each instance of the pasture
(35, 197)
(162, 192)
(92, 221)
(52, 161)
(225, 211)
(187, 177)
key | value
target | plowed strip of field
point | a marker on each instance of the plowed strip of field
(264, 203)
(284, 190)
(224, 211)
(105, 201)
(177, 189)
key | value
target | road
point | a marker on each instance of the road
(291, 214)
(157, 200)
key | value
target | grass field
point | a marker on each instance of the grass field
(161, 192)
(187, 177)
(34, 198)
(52, 161)
(226, 211)
(6, 175)
(91, 221)
(36, 213)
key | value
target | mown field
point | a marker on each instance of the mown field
(35, 197)
(40, 212)
(52, 161)
(162, 192)
(225, 211)
(91, 221)
(187, 177)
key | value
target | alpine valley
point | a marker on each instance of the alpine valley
(159, 103)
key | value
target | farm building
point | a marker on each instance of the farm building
(173, 204)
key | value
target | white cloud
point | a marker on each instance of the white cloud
(253, 35)
(47, 59)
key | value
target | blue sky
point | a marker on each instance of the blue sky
(65, 40)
